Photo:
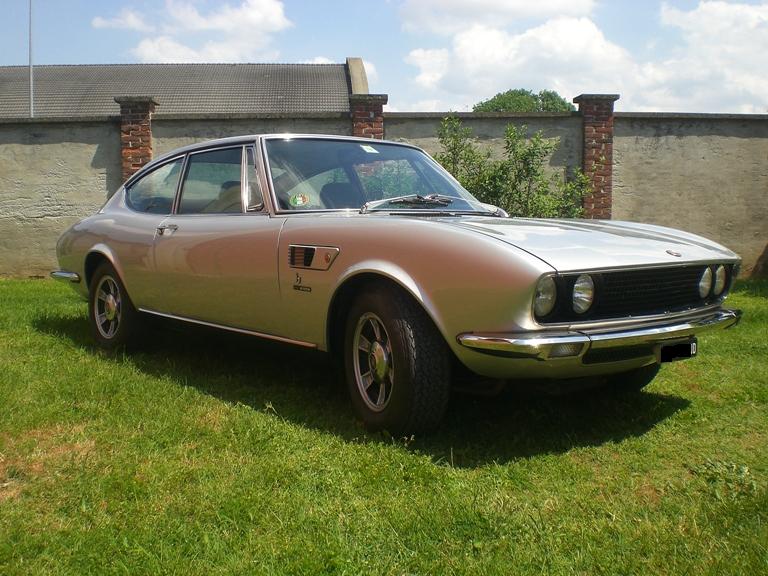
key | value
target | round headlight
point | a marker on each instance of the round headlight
(546, 295)
(583, 293)
(705, 284)
(720, 277)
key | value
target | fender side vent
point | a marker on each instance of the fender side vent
(301, 256)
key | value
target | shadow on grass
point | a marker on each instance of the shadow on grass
(303, 386)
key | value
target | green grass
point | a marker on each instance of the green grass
(208, 453)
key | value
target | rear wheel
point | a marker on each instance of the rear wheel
(113, 318)
(396, 363)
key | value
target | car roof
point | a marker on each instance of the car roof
(252, 138)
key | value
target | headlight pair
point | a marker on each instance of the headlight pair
(713, 280)
(582, 296)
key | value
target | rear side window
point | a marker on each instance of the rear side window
(212, 183)
(154, 193)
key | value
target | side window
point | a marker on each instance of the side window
(154, 193)
(212, 183)
(255, 196)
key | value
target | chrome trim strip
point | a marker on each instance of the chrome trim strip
(230, 328)
(528, 345)
(721, 319)
(540, 345)
(65, 276)
(616, 323)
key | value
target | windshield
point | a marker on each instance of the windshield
(325, 174)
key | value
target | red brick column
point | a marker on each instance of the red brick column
(597, 117)
(367, 115)
(135, 132)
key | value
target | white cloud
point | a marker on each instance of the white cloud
(255, 16)
(370, 72)
(222, 33)
(127, 19)
(432, 64)
(569, 55)
(719, 64)
(450, 16)
(319, 60)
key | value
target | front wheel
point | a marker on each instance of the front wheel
(113, 318)
(396, 362)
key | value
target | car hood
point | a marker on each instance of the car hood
(570, 245)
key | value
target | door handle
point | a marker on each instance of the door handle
(168, 229)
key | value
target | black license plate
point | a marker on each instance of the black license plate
(679, 350)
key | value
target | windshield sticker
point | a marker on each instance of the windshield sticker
(369, 149)
(298, 200)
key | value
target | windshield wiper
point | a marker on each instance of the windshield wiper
(409, 200)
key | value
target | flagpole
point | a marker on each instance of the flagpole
(31, 73)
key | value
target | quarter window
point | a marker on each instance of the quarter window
(255, 196)
(212, 183)
(154, 193)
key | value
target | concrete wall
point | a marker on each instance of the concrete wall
(170, 133)
(707, 174)
(420, 129)
(51, 175)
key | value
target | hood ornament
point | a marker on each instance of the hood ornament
(673, 253)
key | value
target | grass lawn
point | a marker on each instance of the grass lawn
(210, 453)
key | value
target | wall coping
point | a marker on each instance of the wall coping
(160, 117)
(692, 115)
(60, 120)
(396, 115)
(392, 115)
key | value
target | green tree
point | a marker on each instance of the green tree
(517, 182)
(522, 100)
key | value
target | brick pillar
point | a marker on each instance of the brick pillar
(597, 162)
(367, 115)
(135, 132)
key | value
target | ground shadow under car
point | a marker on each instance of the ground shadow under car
(304, 387)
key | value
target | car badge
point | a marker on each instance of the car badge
(673, 253)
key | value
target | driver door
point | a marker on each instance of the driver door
(216, 261)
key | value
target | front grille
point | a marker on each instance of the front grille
(632, 293)
(643, 292)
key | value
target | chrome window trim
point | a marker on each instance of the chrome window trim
(247, 182)
(185, 168)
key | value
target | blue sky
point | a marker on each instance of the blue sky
(675, 55)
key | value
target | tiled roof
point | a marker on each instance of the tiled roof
(89, 90)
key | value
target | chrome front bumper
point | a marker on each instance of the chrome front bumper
(574, 344)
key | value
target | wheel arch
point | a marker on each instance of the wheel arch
(353, 283)
(96, 255)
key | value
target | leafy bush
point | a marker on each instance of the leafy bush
(517, 182)
(522, 100)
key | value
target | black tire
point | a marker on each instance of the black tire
(634, 380)
(406, 360)
(115, 322)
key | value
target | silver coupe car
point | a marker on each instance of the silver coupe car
(372, 251)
